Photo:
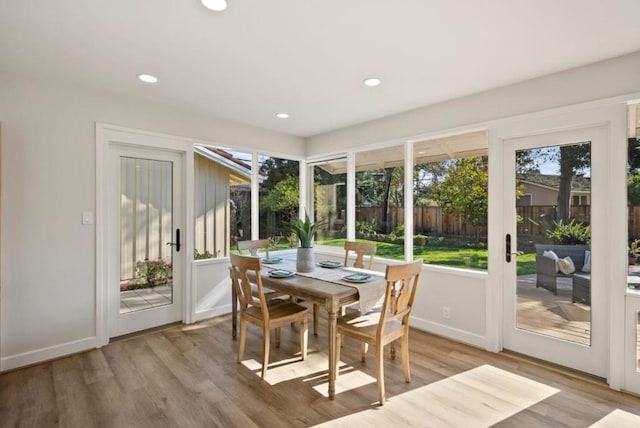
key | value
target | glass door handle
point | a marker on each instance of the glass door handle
(177, 243)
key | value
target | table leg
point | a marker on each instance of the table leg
(234, 311)
(333, 322)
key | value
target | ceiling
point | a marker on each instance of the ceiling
(308, 58)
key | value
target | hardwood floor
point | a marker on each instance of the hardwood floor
(187, 376)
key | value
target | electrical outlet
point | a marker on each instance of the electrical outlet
(446, 312)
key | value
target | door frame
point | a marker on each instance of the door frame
(613, 263)
(590, 358)
(106, 134)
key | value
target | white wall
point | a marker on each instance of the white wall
(48, 176)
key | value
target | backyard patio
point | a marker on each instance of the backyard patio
(541, 311)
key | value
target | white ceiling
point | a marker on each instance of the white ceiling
(309, 57)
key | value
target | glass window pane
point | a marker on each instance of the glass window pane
(553, 289)
(222, 200)
(450, 185)
(633, 199)
(380, 200)
(146, 216)
(330, 201)
(279, 200)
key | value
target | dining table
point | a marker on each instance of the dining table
(325, 286)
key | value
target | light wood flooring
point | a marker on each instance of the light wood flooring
(187, 376)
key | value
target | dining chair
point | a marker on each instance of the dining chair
(385, 323)
(266, 314)
(254, 246)
(361, 249)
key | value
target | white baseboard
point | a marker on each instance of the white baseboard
(450, 332)
(46, 354)
(213, 312)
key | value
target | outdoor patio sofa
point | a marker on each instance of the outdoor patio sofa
(547, 273)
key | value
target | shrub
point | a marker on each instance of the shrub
(199, 256)
(367, 228)
(570, 234)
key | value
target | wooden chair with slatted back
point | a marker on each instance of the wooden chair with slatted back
(266, 314)
(386, 323)
(254, 246)
(361, 249)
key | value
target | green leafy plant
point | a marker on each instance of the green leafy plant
(366, 228)
(398, 232)
(149, 274)
(305, 230)
(634, 248)
(570, 234)
(199, 256)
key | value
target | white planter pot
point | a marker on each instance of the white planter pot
(305, 261)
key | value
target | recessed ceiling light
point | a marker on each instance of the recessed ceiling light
(372, 81)
(217, 5)
(282, 115)
(147, 78)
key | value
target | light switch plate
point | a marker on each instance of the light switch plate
(87, 217)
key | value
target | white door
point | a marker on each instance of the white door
(553, 183)
(145, 229)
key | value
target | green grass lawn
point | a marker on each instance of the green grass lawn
(443, 252)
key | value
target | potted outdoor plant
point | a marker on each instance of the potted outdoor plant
(305, 231)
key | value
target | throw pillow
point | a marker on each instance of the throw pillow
(551, 255)
(566, 266)
(587, 262)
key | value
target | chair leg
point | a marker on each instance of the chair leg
(316, 314)
(243, 339)
(304, 337)
(380, 371)
(405, 356)
(277, 337)
(266, 337)
(337, 359)
(393, 350)
(364, 347)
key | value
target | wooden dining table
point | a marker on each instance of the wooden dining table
(331, 295)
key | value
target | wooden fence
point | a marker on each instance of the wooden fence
(426, 221)
(536, 219)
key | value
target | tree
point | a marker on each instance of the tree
(425, 177)
(633, 155)
(633, 172)
(573, 159)
(464, 190)
(381, 188)
(284, 197)
(279, 196)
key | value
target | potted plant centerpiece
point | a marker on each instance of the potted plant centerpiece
(305, 231)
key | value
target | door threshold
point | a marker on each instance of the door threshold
(144, 332)
(558, 368)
